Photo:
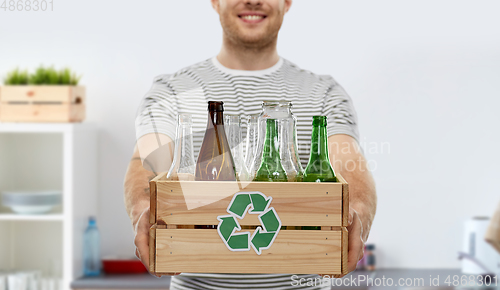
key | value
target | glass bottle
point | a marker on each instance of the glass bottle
(281, 111)
(183, 165)
(91, 250)
(289, 150)
(271, 168)
(215, 162)
(251, 141)
(232, 126)
(319, 168)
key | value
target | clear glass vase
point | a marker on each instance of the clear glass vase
(232, 126)
(183, 166)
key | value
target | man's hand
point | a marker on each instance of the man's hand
(356, 242)
(345, 150)
(141, 240)
(136, 187)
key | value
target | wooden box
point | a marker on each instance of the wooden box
(42, 103)
(265, 219)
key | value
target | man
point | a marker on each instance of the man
(247, 71)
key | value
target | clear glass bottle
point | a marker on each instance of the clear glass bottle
(215, 161)
(251, 141)
(271, 169)
(232, 126)
(289, 150)
(183, 166)
(91, 250)
(287, 138)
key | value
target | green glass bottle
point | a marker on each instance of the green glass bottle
(270, 168)
(319, 168)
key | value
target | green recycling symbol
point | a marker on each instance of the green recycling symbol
(263, 237)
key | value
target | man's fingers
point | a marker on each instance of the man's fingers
(142, 248)
(356, 243)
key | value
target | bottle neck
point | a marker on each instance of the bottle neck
(216, 118)
(319, 143)
(186, 143)
(276, 111)
(216, 123)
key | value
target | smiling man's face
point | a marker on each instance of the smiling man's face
(251, 23)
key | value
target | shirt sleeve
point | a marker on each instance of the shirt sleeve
(339, 109)
(158, 110)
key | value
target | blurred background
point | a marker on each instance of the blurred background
(423, 76)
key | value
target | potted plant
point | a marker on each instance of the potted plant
(47, 95)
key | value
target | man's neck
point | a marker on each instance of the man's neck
(235, 56)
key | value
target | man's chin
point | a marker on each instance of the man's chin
(253, 40)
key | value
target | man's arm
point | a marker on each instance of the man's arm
(154, 152)
(348, 161)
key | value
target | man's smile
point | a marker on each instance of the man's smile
(252, 17)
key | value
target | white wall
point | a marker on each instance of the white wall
(423, 76)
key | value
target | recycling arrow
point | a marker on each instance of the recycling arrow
(239, 205)
(253, 203)
(262, 240)
(227, 225)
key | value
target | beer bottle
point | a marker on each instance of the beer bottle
(270, 168)
(319, 168)
(215, 162)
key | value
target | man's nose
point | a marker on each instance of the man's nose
(253, 2)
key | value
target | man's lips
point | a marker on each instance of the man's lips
(252, 17)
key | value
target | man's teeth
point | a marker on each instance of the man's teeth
(252, 17)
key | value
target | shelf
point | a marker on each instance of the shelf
(22, 217)
(40, 127)
(48, 156)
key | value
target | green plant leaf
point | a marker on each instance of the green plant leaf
(16, 77)
(42, 76)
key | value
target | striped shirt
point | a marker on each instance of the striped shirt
(242, 92)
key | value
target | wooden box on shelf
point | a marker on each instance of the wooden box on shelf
(255, 227)
(47, 103)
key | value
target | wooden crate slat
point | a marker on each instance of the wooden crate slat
(42, 113)
(78, 95)
(297, 204)
(44, 93)
(345, 201)
(202, 251)
(152, 247)
(153, 197)
(345, 250)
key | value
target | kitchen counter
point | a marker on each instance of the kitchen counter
(411, 279)
(136, 281)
